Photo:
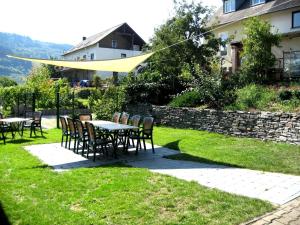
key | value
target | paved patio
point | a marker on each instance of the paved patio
(274, 187)
(287, 214)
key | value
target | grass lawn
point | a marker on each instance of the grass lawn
(31, 193)
(249, 153)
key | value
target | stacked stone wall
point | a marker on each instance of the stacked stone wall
(283, 127)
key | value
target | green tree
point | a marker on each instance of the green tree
(189, 27)
(257, 53)
(173, 69)
(7, 82)
(39, 78)
(97, 81)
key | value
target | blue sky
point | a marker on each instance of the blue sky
(66, 21)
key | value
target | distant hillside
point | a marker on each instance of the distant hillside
(24, 46)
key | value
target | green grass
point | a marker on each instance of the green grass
(31, 193)
(249, 153)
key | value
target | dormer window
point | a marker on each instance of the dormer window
(257, 2)
(229, 6)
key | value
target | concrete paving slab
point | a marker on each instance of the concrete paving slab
(273, 187)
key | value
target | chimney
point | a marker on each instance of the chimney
(83, 38)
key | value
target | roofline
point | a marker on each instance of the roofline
(244, 18)
(116, 27)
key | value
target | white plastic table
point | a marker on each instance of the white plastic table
(114, 129)
(16, 125)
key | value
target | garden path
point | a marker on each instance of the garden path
(274, 187)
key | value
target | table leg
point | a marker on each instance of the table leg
(115, 144)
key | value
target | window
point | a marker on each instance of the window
(84, 57)
(114, 44)
(92, 56)
(223, 48)
(229, 6)
(123, 55)
(296, 20)
(257, 2)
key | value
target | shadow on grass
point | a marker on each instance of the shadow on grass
(188, 157)
(173, 145)
(3, 218)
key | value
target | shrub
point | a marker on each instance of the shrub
(285, 95)
(7, 82)
(104, 104)
(187, 99)
(84, 93)
(297, 94)
(253, 96)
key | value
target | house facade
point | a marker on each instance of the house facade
(117, 42)
(283, 15)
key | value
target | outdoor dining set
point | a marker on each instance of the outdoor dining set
(100, 137)
(16, 125)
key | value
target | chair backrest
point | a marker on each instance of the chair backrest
(85, 117)
(124, 118)
(71, 125)
(148, 125)
(1, 117)
(37, 117)
(116, 117)
(91, 132)
(135, 120)
(80, 128)
(63, 123)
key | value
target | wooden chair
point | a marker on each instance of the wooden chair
(65, 130)
(35, 123)
(123, 134)
(72, 132)
(124, 118)
(82, 136)
(3, 129)
(85, 117)
(96, 141)
(146, 132)
(116, 117)
(134, 121)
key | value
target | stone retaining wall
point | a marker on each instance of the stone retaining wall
(284, 127)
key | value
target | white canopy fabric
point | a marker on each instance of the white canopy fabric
(115, 65)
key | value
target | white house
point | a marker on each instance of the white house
(114, 43)
(284, 15)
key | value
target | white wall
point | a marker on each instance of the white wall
(101, 54)
(282, 21)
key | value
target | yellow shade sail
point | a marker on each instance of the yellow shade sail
(115, 65)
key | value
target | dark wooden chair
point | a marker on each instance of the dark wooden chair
(97, 142)
(135, 121)
(36, 122)
(116, 117)
(3, 129)
(65, 131)
(85, 117)
(123, 134)
(72, 132)
(124, 118)
(145, 133)
(82, 136)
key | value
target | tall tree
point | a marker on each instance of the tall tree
(257, 48)
(188, 27)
